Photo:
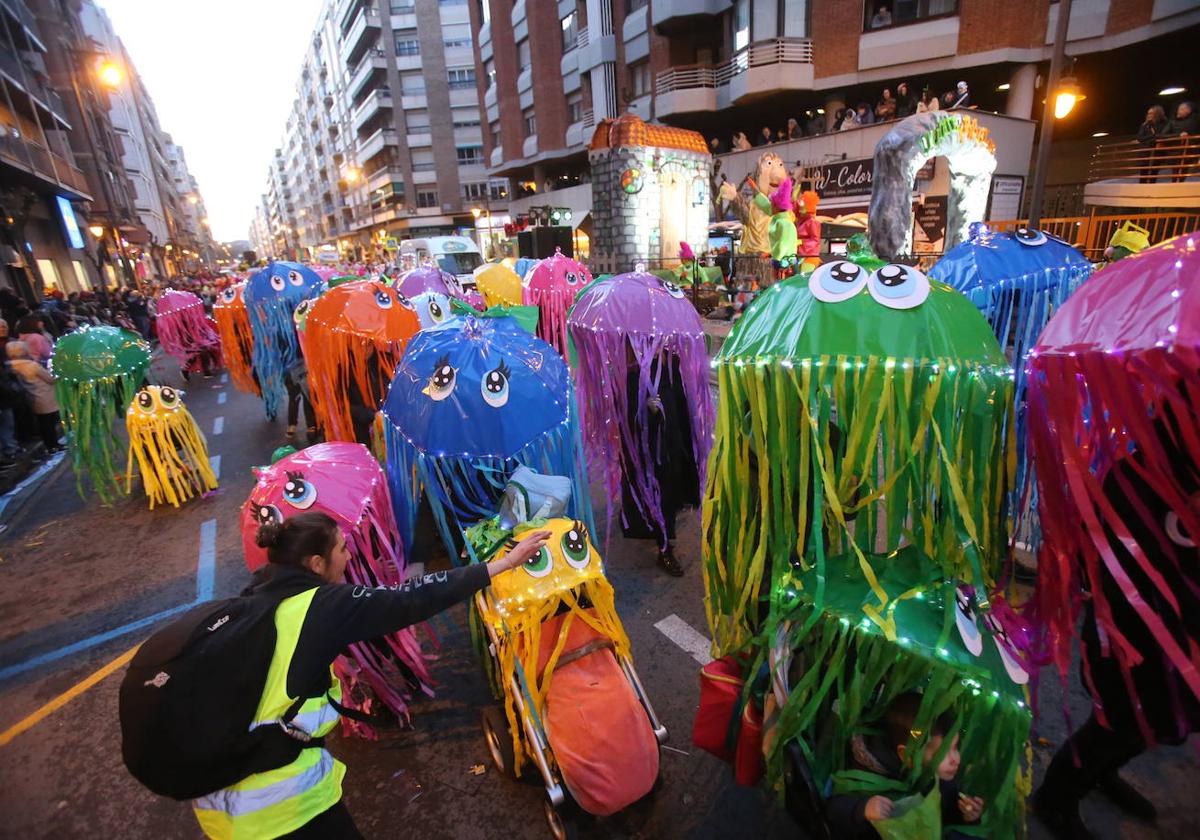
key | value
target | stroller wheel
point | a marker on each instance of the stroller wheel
(499, 740)
(560, 822)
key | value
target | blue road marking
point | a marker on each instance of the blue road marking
(206, 563)
(214, 461)
(218, 425)
(221, 398)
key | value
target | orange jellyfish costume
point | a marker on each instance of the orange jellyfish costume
(237, 342)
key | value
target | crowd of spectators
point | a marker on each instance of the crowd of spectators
(897, 105)
(1167, 143)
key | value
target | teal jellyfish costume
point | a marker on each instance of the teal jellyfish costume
(272, 295)
(97, 371)
(854, 521)
(473, 399)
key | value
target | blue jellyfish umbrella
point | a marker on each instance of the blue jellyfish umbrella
(473, 399)
(1017, 280)
(271, 296)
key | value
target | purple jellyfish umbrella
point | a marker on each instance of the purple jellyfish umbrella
(427, 278)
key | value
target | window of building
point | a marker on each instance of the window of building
(741, 24)
(461, 77)
(408, 46)
(639, 78)
(474, 192)
(575, 107)
(469, 155)
(403, 8)
(530, 122)
(465, 117)
(485, 12)
(427, 198)
(880, 14)
(80, 275)
(495, 129)
(633, 5)
(456, 43)
(49, 274)
(452, 2)
(489, 70)
(499, 190)
(412, 84)
(523, 57)
(570, 31)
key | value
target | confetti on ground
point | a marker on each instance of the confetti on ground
(477, 770)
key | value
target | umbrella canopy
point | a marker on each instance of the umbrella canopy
(551, 286)
(344, 481)
(426, 278)
(624, 329)
(873, 398)
(473, 398)
(1114, 431)
(354, 336)
(184, 329)
(271, 296)
(499, 285)
(432, 308)
(237, 341)
(97, 370)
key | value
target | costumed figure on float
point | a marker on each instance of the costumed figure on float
(186, 333)
(472, 400)
(808, 231)
(168, 447)
(354, 336)
(854, 531)
(272, 295)
(1114, 434)
(237, 340)
(97, 370)
(642, 371)
(551, 287)
(346, 482)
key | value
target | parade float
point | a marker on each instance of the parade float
(97, 371)
(473, 399)
(272, 295)
(168, 448)
(345, 481)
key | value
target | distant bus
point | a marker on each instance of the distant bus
(457, 255)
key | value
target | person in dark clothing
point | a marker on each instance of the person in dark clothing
(670, 450)
(1153, 127)
(1184, 126)
(308, 553)
(362, 410)
(139, 313)
(716, 146)
(765, 137)
(850, 816)
(295, 380)
(906, 103)
(1166, 710)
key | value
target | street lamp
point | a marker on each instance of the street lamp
(1050, 113)
(110, 74)
(1067, 95)
(96, 230)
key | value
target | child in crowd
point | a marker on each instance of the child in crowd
(852, 816)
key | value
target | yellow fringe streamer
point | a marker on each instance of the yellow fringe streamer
(172, 456)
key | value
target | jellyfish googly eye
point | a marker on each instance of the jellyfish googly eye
(673, 290)
(436, 313)
(229, 295)
(898, 286)
(144, 402)
(494, 385)
(383, 299)
(265, 513)
(168, 398)
(1029, 236)
(575, 546)
(299, 492)
(295, 278)
(442, 381)
(278, 282)
(540, 564)
(837, 281)
(1007, 650)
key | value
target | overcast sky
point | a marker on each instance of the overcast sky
(222, 74)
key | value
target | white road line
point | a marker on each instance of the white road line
(224, 378)
(218, 425)
(214, 461)
(221, 398)
(695, 643)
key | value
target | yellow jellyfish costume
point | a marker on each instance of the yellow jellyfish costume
(498, 284)
(171, 452)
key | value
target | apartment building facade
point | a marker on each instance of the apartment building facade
(384, 139)
(550, 71)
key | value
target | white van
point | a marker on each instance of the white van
(457, 255)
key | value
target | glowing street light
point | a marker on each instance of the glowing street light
(353, 173)
(193, 199)
(1069, 93)
(476, 212)
(110, 73)
(96, 230)
(1172, 91)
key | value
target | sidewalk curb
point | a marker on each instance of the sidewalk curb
(14, 503)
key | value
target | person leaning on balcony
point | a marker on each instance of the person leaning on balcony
(716, 147)
(1153, 127)
(794, 131)
(928, 102)
(885, 109)
(1184, 125)
(906, 103)
(765, 137)
(882, 18)
(849, 120)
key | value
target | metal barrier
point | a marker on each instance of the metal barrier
(1090, 234)
(758, 54)
(1168, 159)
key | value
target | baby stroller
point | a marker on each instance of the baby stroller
(559, 661)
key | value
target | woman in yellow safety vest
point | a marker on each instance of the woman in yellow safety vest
(303, 799)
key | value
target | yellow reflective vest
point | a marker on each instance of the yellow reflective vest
(269, 804)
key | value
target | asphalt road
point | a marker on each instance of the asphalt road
(73, 571)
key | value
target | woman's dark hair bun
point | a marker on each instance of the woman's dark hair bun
(268, 534)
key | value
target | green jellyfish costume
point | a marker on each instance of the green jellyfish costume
(97, 371)
(854, 524)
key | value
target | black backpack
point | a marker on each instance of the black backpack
(190, 694)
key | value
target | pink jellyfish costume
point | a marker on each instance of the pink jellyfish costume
(552, 286)
(186, 332)
(346, 482)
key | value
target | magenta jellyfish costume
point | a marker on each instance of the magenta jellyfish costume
(642, 375)
(345, 481)
(186, 332)
(551, 286)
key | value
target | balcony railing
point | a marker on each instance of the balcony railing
(581, 38)
(1091, 234)
(589, 118)
(758, 54)
(1170, 159)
